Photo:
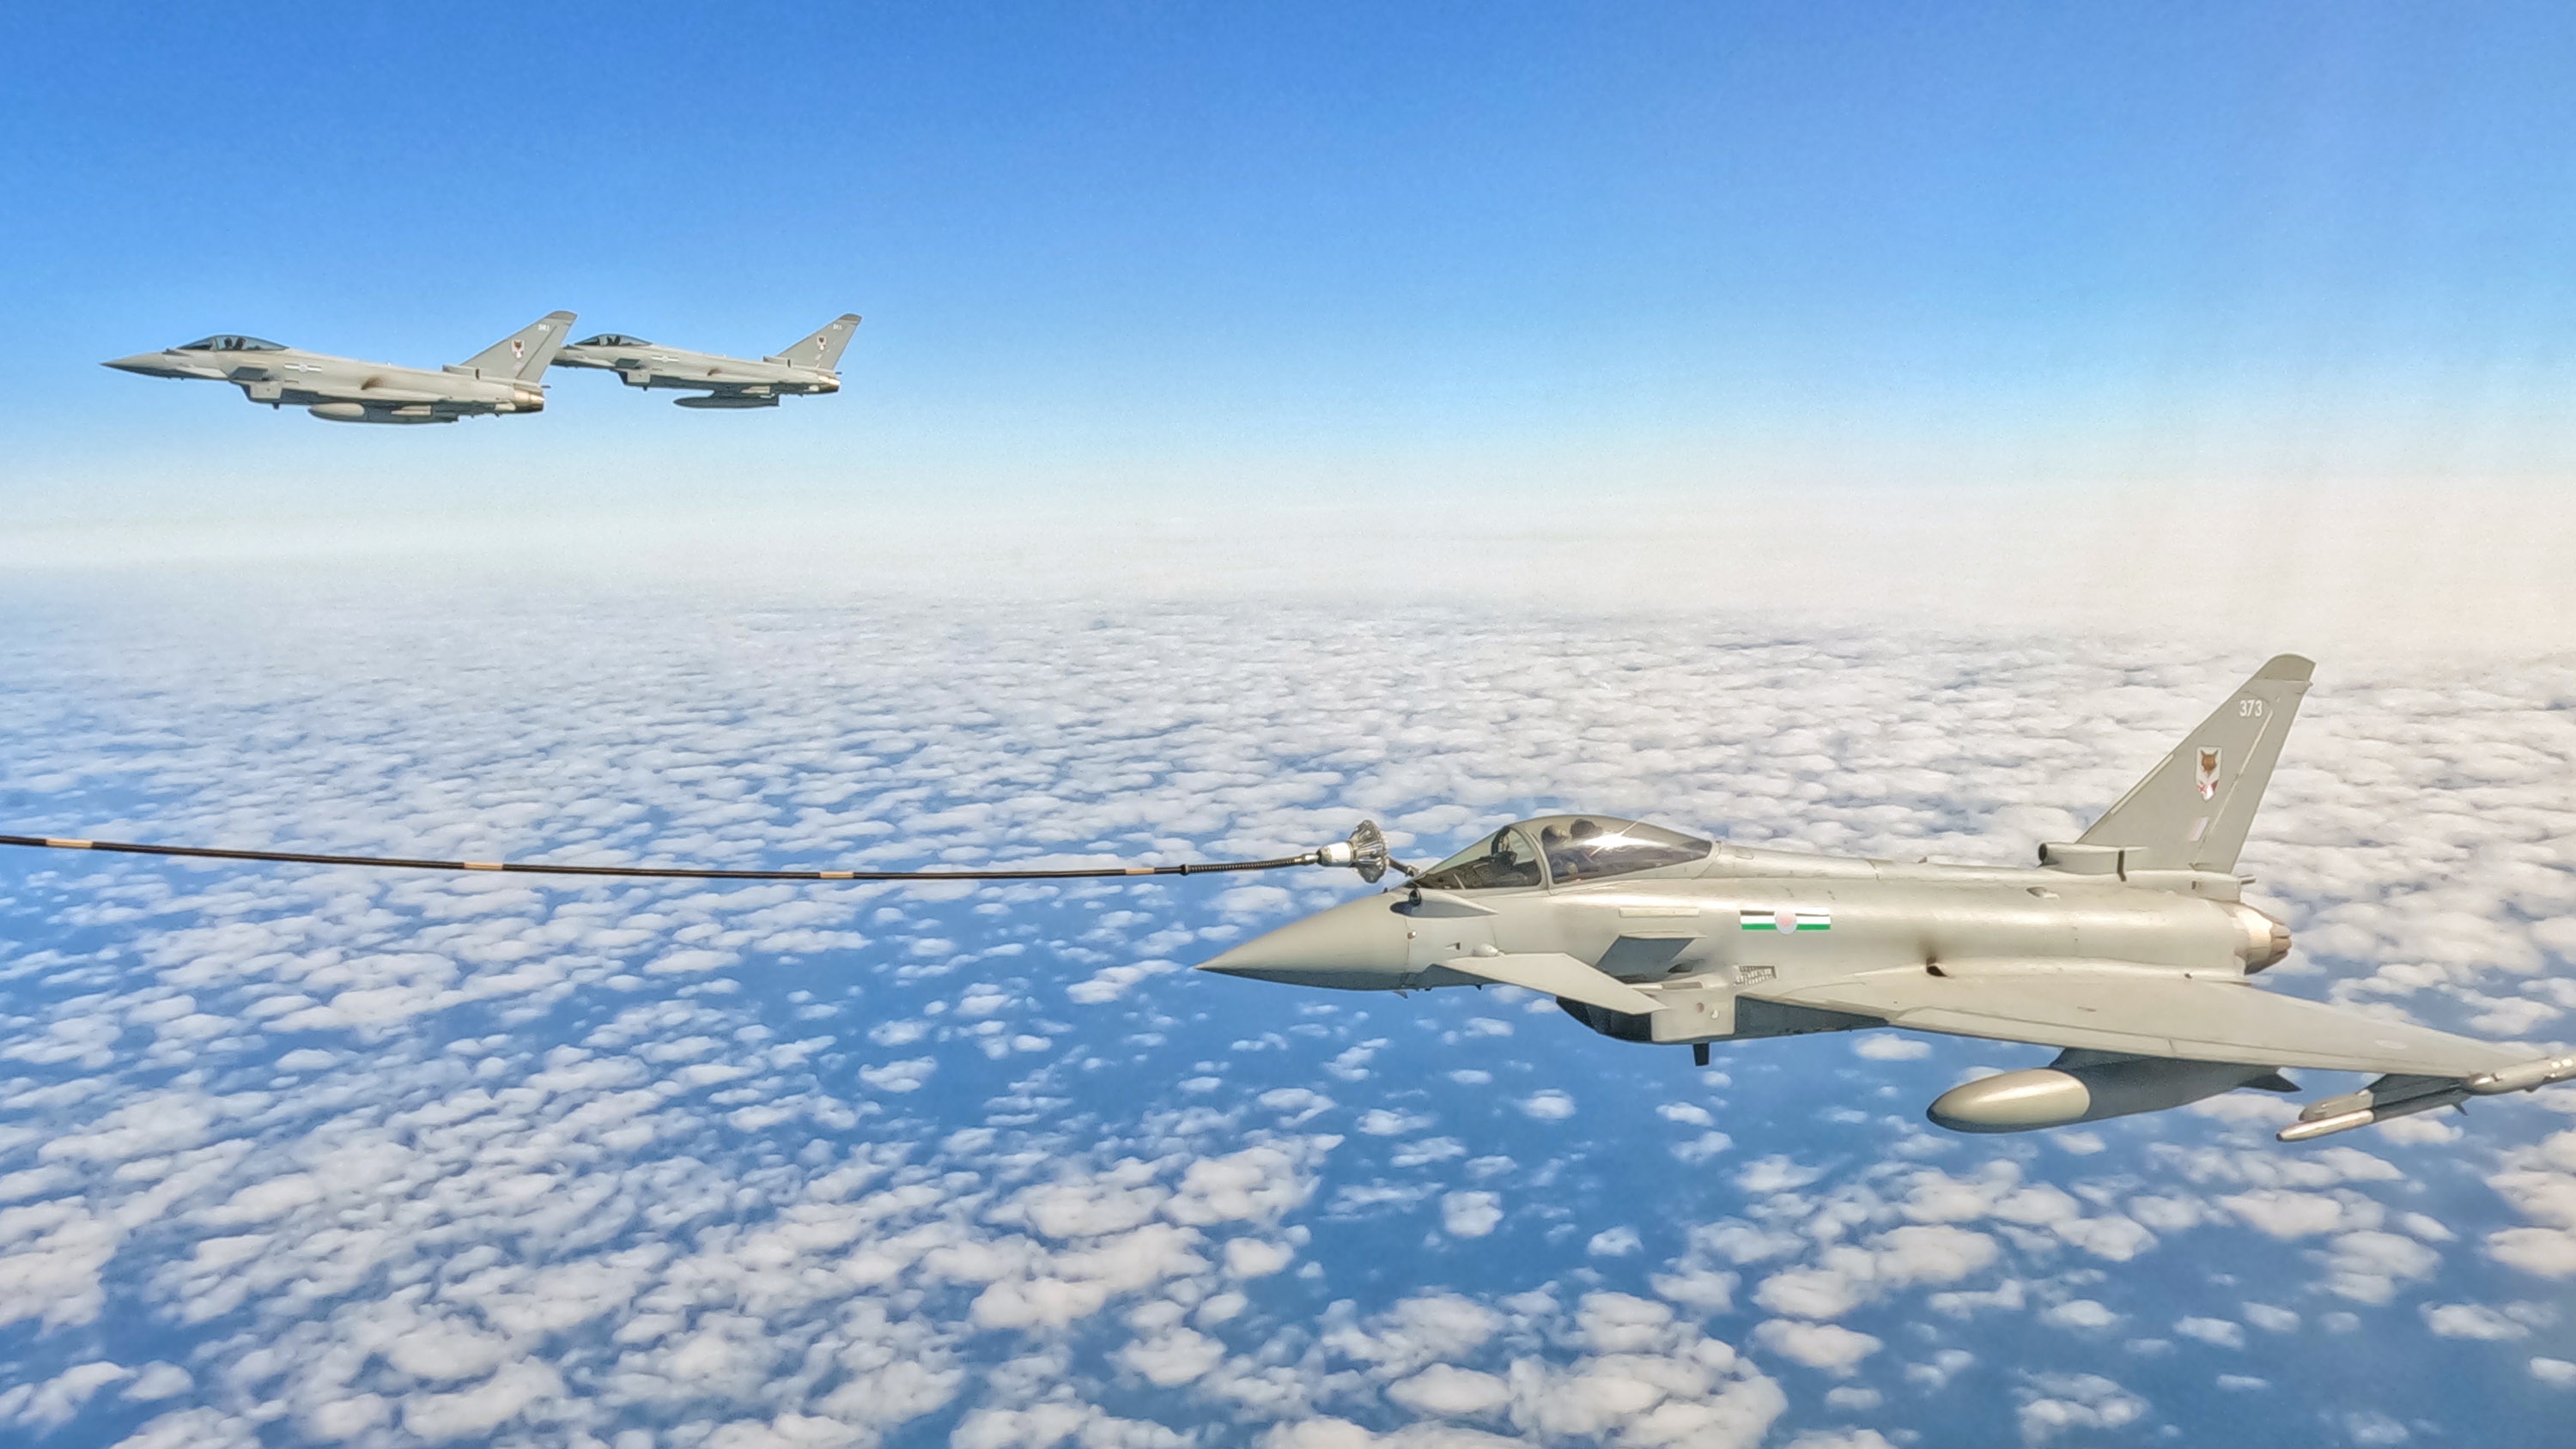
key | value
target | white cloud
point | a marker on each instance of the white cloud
(2079, 1313)
(1775, 1174)
(1470, 1214)
(2054, 1404)
(1296, 1104)
(1549, 1106)
(1828, 1346)
(2470, 1320)
(2301, 1214)
(905, 1076)
(1613, 1243)
(1703, 1147)
(1253, 1258)
(2218, 1331)
(50, 1405)
(2271, 1319)
(156, 1381)
(2368, 1265)
(1173, 1357)
(1441, 1389)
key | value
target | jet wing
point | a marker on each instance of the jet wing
(2146, 1012)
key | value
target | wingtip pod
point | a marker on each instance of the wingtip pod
(2393, 1097)
(2523, 1077)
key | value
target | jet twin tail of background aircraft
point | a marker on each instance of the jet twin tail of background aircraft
(507, 377)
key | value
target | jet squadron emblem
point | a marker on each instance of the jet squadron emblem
(2206, 780)
(518, 349)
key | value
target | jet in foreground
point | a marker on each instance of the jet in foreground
(727, 382)
(506, 377)
(2128, 948)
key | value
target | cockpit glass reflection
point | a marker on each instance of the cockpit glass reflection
(1563, 849)
(1505, 858)
(223, 342)
(1588, 847)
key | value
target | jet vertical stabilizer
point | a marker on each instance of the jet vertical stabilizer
(524, 354)
(2192, 811)
(822, 350)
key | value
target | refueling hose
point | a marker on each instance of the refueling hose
(1364, 851)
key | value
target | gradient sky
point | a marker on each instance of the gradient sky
(1144, 251)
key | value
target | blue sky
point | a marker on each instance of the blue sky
(1137, 250)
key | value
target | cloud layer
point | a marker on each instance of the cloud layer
(310, 1156)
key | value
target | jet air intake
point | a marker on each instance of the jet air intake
(2074, 1089)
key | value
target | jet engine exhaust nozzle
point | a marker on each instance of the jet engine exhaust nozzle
(2264, 942)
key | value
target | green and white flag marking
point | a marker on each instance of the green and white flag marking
(1788, 920)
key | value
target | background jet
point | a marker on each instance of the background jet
(507, 377)
(2127, 948)
(728, 382)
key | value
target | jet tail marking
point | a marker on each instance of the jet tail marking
(525, 353)
(2192, 811)
(822, 347)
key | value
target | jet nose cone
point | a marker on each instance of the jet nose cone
(149, 364)
(1358, 946)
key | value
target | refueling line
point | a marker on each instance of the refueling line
(1364, 851)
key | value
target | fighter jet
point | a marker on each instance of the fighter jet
(506, 377)
(728, 382)
(2129, 948)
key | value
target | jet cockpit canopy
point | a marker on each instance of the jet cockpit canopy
(230, 342)
(1562, 850)
(613, 339)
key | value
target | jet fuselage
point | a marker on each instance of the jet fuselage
(727, 382)
(1768, 920)
(506, 378)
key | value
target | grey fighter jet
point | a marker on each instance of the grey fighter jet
(728, 382)
(506, 377)
(2129, 948)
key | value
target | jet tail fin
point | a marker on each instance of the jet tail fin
(525, 353)
(822, 349)
(2192, 811)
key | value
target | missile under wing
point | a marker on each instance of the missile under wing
(720, 381)
(506, 377)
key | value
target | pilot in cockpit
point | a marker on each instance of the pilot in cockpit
(1567, 848)
(1571, 852)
